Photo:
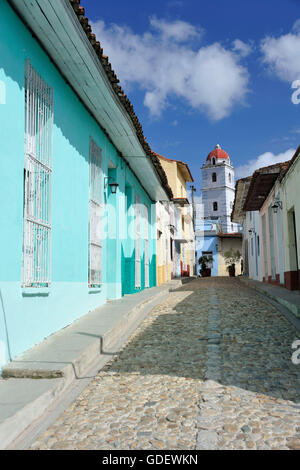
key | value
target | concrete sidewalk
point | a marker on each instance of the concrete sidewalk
(288, 299)
(66, 356)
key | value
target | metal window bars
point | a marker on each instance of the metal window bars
(95, 214)
(36, 270)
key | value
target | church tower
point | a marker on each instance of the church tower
(218, 189)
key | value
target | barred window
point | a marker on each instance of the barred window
(36, 270)
(137, 243)
(95, 214)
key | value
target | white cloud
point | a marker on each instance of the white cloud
(163, 63)
(282, 54)
(296, 26)
(266, 159)
(242, 48)
(179, 31)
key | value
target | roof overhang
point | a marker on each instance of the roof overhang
(230, 235)
(292, 162)
(241, 191)
(206, 233)
(180, 201)
(180, 240)
(261, 184)
(58, 30)
(184, 168)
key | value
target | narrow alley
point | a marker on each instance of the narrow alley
(210, 368)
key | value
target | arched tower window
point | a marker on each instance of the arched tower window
(214, 177)
(229, 177)
(213, 161)
(215, 206)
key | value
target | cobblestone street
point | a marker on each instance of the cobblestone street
(210, 368)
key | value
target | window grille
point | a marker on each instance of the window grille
(137, 243)
(214, 177)
(37, 180)
(146, 246)
(215, 206)
(95, 214)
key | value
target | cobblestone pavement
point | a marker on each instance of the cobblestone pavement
(210, 368)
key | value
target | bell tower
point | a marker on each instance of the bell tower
(218, 189)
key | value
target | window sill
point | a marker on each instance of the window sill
(95, 289)
(35, 291)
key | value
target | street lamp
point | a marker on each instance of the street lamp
(113, 187)
(276, 205)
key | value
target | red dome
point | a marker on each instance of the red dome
(218, 153)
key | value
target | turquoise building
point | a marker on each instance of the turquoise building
(78, 180)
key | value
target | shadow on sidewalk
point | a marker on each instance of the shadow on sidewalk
(255, 341)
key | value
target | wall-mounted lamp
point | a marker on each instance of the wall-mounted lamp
(276, 205)
(113, 186)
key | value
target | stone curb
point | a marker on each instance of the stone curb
(56, 381)
(293, 308)
(36, 364)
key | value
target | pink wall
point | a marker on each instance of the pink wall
(265, 211)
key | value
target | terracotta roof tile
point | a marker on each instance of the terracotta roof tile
(290, 163)
(261, 184)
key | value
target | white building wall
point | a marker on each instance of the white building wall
(253, 238)
(221, 191)
(280, 237)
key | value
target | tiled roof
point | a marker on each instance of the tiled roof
(261, 184)
(241, 190)
(290, 163)
(217, 153)
(80, 12)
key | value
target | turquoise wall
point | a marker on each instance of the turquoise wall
(27, 316)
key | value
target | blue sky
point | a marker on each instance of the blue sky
(200, 73)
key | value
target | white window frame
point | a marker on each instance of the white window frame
(95, 215)
(37, 223)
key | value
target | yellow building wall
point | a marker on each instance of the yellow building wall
(171, 172)
(177, 182)
(175, 178)
(226, 244)
(180, 184)
(163, 262)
